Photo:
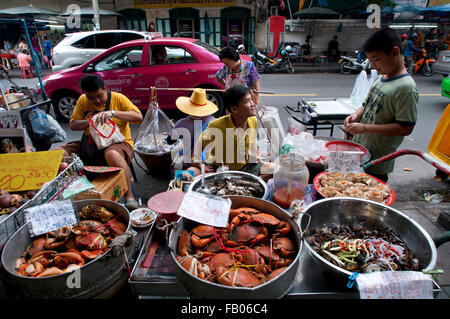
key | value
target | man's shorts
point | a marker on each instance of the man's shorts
(123, 148)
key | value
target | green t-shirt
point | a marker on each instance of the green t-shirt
(389, 101)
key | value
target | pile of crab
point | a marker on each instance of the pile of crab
(70, 247)
(255, 247)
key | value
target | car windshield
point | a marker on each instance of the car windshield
(123, 58)
(208, 47)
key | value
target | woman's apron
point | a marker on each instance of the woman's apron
(236, 79)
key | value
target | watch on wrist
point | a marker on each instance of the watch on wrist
(113, 113)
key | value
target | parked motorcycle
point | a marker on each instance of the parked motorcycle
(348, 64)
(424, 64)
(265, 63)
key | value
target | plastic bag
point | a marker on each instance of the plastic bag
(306, 145)
(60, 135)
(40, 126)
(361, 87)
(151, 137)
(106, 134)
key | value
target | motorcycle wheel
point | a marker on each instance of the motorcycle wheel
(344, 68)
(427, 70)
(289, 67)
(260, 67)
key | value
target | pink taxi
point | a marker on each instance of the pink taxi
(134, 66)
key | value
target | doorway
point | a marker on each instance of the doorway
(235, 26)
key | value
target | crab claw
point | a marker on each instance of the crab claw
(283, 228)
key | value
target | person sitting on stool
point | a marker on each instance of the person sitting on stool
(24, 62)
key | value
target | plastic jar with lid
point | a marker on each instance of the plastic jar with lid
(290, 180)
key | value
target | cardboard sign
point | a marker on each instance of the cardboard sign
(205, 209)
(27, 171)
(49, 217)
(395, 285)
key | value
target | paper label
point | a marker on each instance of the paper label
(344, 162)
(395, 285)
(49, 217)
(208, 210)
(77, 186)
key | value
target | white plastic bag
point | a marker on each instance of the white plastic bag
(361, 87)
(106, 134)
(60, 135)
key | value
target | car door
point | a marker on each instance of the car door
(171, 66)
(122, 72)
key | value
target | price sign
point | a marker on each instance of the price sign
(209, 210)
(27, 171)
(395, 285)
(51, 216)
(344, 162)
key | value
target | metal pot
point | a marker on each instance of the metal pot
(276, 288)
(346, 210)
(232, 175)
(92, 278)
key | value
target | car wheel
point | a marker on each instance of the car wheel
(216, 98)
(64, 104)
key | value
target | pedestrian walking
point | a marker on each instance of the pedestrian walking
(48, 48)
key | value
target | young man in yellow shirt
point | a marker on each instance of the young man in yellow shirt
(109, 105)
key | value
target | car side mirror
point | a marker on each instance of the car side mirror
(90, 68)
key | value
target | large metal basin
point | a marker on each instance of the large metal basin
(276, 288)
(92, 276)
(347, 210)
(197, 183)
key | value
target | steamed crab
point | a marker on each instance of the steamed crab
(254, 247)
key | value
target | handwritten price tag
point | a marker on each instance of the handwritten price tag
(209, 210)
(51, 216)
(395, 285)
(344, 162)
(27, 171)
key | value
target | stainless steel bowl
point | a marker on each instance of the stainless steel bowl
(92, 277)
(275, 288)
(196, 184)
(346, 210)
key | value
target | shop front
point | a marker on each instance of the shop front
(219, 23)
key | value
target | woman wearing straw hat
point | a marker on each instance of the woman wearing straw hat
(198, 110)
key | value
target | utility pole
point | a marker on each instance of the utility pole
(96, 15)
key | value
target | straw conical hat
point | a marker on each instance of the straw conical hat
(196, 104)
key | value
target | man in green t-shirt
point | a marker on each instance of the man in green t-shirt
(390, 110)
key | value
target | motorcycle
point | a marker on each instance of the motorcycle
(348, 64)
(424, 64)
(264, 62)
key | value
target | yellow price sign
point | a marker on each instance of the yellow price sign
(27, 171)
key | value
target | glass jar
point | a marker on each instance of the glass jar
(290, 180)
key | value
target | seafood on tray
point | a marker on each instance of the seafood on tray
(70, 247)
(355, 248)
(233, 186)
(359, 185)
(255, 247)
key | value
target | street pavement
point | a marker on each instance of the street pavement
(412, 178)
